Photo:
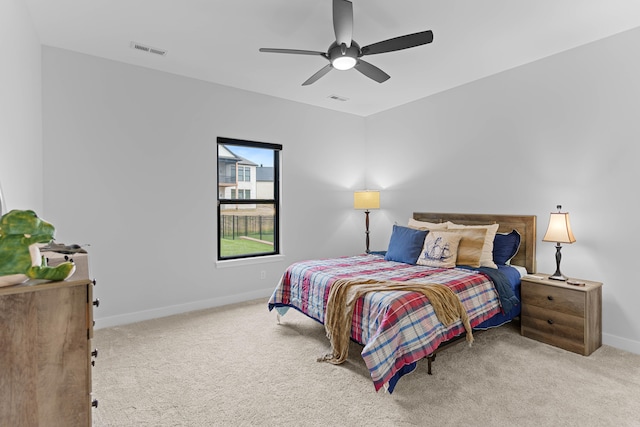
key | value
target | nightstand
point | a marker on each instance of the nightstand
(560, 314)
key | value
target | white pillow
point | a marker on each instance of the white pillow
(440, 249)
(424, 225)
(486, 259)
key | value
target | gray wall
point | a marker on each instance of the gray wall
(130, 168)
(20, 109)
(563, 130)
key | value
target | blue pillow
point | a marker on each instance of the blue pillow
(405, 244)
(505, 247)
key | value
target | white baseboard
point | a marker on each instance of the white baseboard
(621, 343)
(138, 316)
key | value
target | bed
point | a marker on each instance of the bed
(397, 328)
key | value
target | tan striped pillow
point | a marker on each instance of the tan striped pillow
(486, 259)
(470, 246)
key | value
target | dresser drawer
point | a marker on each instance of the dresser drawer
(553, 298)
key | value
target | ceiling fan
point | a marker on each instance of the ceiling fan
(345, 53)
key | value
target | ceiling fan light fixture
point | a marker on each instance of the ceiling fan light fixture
(343, 62)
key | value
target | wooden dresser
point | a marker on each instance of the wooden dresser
(563, 315)
(45, 351)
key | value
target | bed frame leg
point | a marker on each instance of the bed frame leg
(430, 359)
(432, 356)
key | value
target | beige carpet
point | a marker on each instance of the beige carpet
(235, 366)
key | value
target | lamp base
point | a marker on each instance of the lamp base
(366, 224)
(557, 275)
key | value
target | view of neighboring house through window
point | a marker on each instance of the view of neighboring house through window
(248, 198)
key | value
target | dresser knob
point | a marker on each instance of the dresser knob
(94, 282)
(550, 321)
(96, 302)
(94, 353)
(94, 403)
(550, 298)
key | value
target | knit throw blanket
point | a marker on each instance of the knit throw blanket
(345, 292)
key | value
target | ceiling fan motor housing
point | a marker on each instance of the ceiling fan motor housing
(336, 53)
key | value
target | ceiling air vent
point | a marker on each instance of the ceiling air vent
(338, 98)
(148, 49)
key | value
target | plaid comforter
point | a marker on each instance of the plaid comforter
(397, 328)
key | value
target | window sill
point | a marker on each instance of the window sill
(249, 261)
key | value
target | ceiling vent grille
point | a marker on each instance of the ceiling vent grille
(338, 98)
(148, 49)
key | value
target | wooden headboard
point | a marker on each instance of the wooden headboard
(524, 224)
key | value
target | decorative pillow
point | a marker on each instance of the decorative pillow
(440, 249)
(505, 247)
(486, 259)
(470, 247)
(405, 244)
(424, 225)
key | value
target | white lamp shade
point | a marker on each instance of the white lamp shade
(366, 200)
(559, 229)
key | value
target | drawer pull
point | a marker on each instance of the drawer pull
(96, 302)
(550, 321)
(550, 298)
(94, 403)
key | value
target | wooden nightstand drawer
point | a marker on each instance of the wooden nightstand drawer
(555, 299)
(550, 320)
(566, 316)
(552, 327)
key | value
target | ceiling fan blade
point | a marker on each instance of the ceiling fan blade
(372, 71)
(343, 21)
(293, 51)
(321, 72)
(399, 43)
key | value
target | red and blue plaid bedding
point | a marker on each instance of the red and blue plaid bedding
(397, 328)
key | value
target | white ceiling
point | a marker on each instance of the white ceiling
(218, 41)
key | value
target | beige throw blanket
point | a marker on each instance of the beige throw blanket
(345, 292)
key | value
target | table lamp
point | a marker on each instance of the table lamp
(559, 231)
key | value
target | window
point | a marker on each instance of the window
(248, 198)
(244, 173)
(242, 194)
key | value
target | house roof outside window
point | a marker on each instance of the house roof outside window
(264, 173)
